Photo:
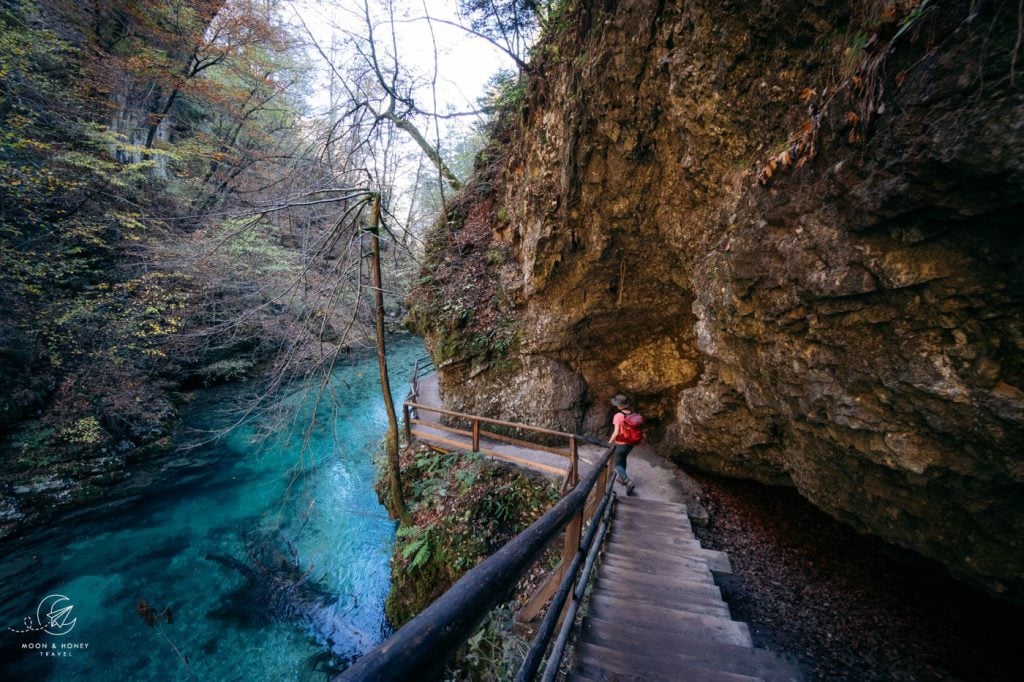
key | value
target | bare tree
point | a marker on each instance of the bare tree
(378, 89)
(391, 443)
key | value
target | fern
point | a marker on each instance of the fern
(418, 548)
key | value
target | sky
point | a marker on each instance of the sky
(464, 62)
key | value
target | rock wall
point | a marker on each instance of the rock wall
(792, 232)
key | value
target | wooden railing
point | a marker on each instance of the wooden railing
(422, 367)
(420, 649)
(438, 432)
(573, 584)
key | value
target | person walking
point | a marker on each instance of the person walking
(625, 434)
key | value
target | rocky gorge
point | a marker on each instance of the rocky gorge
(790, 231)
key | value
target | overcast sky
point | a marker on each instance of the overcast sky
(464, 62)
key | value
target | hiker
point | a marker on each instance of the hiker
(625, 434)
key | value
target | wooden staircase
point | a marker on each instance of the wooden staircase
(655, 612)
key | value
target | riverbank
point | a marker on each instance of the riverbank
(41, 483)
(849, 607)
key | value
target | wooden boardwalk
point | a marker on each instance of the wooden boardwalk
(655, 612)
(427, 429)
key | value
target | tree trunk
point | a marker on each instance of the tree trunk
(432, 153)
(391, 443)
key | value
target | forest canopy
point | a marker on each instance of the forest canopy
(174, 213)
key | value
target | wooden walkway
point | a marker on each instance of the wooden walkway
(655, 612)
(427, 429)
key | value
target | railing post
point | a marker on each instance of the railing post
(476, 435)
(570, 546)
(408, 426)
(574, 461)
(572, 539)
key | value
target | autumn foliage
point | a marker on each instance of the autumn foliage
(130, 133)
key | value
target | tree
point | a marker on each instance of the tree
(510, 24)
(378, 90)
(113, 287)
(391, 442)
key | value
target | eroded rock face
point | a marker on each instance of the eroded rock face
(853, 326)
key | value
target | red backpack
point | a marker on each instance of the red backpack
(629, 430)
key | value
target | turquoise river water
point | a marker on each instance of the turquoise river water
(273, 561)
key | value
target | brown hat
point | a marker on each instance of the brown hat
(620, 401)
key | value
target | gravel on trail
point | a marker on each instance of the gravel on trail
(847, 606)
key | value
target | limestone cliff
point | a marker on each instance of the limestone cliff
(791, 231)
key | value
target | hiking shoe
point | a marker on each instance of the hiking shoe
(630, 487)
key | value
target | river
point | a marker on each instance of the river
(274, 563)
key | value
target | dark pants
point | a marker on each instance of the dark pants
(621, 453)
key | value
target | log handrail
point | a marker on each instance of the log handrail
(411, 415)
(422, 646)
(573, 585)
(488, 420)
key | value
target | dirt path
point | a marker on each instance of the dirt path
(850, 607)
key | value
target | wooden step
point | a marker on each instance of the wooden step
(605, 663)
(643, 555)
(717, 561)
(673, 546)
(659, 594)
(644, 580)
(654, 536)
(617, 597)
(653, 543)
(668, 536)
(655, 516)
(686, 568)
(639, 525)
(630, 502)
(665, 540)
(699, 626)
(696, 652)
(665, 574)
